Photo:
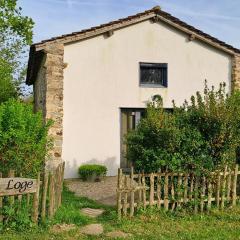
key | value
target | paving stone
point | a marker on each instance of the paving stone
(92, 229)
(91, 212)
(117, 234)
(62, 227)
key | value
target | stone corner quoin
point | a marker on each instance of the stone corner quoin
(48, 96)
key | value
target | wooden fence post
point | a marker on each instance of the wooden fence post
(144, 191)
(11, 175)
(61, 182)
(1, 204)
(185, 188)
(139, 191)
(131, 194)
(223, 187)
(229, 178)
(51, 195)
(191, 188)
(196, 194)
(203, 190)
(234, 190)
(36, 201)
(209, 203)
(159, 190)
(179, 190)
(125, 186)
(151, 194)
(166, 191)
(218, 189)
(119, 195)
(44, 195)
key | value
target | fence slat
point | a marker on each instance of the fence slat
(209, 203)
(159, 191)
(1, 204)
(119, 195)
(173, 193)
(20, 196)
(11, 174)
(51, 195)
(36, 201)
(125, 197)
(191, 188)
(44, 194)
(151, 194)
(166, 201)
(229, 177)
(139, 191)
(131, 194)
(218, 189)
(185, 188)
(196, 194)
(179, 189)
(203, 193)
(62, 167)
(223, 187)
(144, 191)
(234, 190)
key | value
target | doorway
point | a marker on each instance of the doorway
(130, 117)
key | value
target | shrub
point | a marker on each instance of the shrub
(198, 136)
(89, 170)
(23, 139)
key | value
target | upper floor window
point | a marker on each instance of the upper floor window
(154, 74)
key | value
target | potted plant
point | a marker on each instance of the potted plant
(92, 172)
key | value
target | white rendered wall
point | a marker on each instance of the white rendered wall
(102, 76)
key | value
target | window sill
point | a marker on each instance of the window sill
(143, 85)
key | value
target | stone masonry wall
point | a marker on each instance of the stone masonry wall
(48, 96)
(236, 72)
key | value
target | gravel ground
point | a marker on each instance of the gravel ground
(103, 192)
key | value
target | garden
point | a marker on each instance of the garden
(184, 181)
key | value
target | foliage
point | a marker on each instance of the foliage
(88, 170)
(23, 138)
(17, 217)
(198, 136)
(15, 35)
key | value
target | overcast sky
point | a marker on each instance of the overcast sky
(219, 18)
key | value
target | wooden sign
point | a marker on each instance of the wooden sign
(17, 186)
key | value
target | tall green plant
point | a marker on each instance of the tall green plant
(201, 135)
(23, 138)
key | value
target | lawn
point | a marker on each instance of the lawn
(151, 224)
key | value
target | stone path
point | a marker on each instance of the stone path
(92, 229)
(103, 192)
(91, 212)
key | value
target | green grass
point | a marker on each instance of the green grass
(150, 224)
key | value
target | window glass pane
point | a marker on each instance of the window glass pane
(153, 74)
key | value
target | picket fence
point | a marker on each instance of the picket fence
(42, 198)
(170, 190)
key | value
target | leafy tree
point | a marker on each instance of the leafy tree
(15, 35)
(23, 138)
(198, 136)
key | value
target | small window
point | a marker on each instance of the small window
(153, 74)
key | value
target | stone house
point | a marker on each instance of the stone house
(95, 83)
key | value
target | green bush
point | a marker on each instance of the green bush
(198, 136)
(23, 139)
(89, 170)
